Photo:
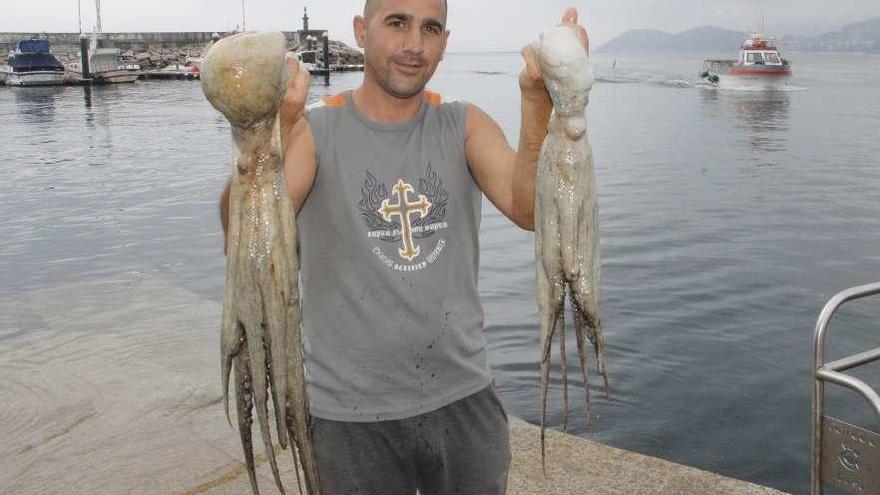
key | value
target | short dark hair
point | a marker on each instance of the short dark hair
(369, 5)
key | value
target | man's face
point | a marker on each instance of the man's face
(403, 42)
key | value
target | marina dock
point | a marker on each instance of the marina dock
(169, 74)
(177, 55)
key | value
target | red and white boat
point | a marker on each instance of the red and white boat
(759, 66)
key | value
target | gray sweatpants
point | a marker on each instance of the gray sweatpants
(463, 448)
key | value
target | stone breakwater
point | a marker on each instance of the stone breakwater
(157, 50)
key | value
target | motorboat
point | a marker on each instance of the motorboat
(105, 67)
(759, 66)
(32, 64)
(308, 59)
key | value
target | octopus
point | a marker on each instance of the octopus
(566, 215)
(244, 77)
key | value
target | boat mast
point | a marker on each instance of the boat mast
(79, 15)
(98, 9)
(243, 25)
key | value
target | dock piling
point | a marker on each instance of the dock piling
(84, 57)
(326, 39)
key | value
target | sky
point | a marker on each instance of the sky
(476, 25)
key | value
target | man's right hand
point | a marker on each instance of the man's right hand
(294, 102)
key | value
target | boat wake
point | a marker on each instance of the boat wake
(644, 79)
(752, 89)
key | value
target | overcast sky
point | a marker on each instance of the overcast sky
(475, 24)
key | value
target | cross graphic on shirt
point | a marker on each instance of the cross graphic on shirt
(404, 209)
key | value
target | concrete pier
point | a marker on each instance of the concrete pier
(128, 374)
(579, 466)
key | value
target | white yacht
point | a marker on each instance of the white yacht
(31, 64)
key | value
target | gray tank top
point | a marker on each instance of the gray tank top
(389, 247)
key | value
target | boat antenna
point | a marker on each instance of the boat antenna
(243, 26)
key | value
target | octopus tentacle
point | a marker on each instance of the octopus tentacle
(244, 403)
(554, 321)
(582, 356)
(259, 376)
(231, 334)
(564, 367)
(275, 316)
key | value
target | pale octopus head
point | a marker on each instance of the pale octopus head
(568, 77)
(245, 76)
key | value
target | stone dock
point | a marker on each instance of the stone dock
(575, 466)
(127, 368)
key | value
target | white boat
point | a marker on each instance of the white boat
(31, 64)
(759, 66)
(308, 59)
(105, 67)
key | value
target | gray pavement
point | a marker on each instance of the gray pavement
(111, 386)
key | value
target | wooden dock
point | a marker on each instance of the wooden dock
(169, 74)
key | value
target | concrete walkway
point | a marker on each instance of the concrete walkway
(111, 386)
(579, 466)
(574, 466)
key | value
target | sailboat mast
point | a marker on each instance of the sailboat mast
(243, 25)
(79, 15)
(98, 9)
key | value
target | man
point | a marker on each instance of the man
(387, 183)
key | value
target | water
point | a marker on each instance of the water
(728, 219)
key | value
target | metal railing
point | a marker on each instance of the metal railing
(843, 455)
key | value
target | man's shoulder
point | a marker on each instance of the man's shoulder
(443, 101)
(328, 102)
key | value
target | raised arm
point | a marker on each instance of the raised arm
(298, 143)
(505, 176)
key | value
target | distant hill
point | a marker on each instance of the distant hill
(857, 37)
(701, 39)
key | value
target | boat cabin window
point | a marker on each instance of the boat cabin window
(754, 58)
(771, 58)
(309, 57)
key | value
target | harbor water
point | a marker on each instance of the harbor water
(728, 218)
